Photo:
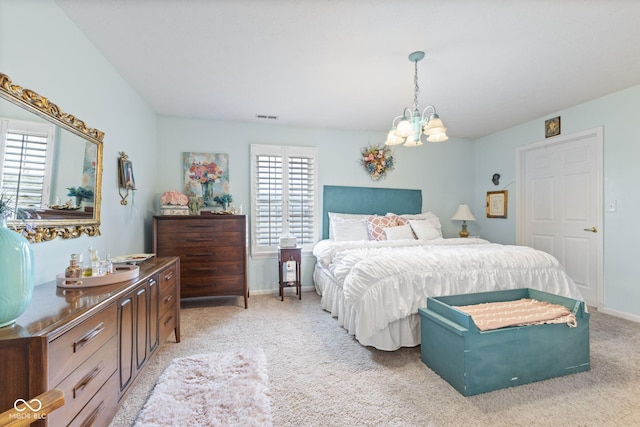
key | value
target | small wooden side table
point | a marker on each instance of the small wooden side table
(287, 259)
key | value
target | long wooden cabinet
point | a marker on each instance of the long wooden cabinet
(90, 342)
(212, 251)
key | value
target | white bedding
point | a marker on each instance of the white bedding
(375, 288)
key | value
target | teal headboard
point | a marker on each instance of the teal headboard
(368, 200)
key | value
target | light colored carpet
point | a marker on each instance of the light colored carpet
(213, 389)
(321, 376)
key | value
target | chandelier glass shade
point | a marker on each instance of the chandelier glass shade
(412, 127)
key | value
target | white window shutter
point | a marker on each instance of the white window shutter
(284, 194)
(25, 162)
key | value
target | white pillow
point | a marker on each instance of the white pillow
(399, 233)
(426, 216)
(345, 227)
(424, 229)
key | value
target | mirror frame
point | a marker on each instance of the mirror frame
(36, 230)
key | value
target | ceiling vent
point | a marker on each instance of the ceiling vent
(266, 117)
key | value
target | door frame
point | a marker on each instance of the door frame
(599, 190)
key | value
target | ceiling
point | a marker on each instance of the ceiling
(489, 65)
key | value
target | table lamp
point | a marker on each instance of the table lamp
(463, 214)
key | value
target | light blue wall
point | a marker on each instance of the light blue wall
(617, 114)
(427, 168)
(41, 49)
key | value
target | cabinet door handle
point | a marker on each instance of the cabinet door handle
(88, 337)
(86, 380)
(93, 416)
(168, 277)
(168, 298)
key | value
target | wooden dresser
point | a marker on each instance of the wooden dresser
(91, 343)
(212, 251)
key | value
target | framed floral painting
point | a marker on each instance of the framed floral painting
(205, 175)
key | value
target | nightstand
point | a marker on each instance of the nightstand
(289, 261)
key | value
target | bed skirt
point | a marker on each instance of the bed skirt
(404, 332)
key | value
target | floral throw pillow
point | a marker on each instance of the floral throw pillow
(377, 224)
(399, 220)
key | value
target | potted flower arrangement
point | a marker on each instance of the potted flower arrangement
(174, 203)
(80, 194)
(206, 173)
(224, 200)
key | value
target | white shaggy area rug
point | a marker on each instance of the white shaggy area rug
(214, 389)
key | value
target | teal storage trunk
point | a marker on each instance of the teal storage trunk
(476, 362)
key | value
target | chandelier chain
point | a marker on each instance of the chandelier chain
(417, 88)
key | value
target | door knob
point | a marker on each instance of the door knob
(592, 229)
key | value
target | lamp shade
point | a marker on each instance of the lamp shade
(434, 125)
(393, 139)
(411, 141)
(439, 137)
(404, 128)
(463, 213)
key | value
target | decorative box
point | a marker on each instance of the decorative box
(475, 362)
(174, 210)
(288, 242)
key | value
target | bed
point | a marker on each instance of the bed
(375, 286)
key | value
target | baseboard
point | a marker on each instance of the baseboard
(275, 291)
(620, 314)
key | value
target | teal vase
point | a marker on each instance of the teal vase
(207, 193)
(16, 274)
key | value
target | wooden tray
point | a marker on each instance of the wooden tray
(121, 273)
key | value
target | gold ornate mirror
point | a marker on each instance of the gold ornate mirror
(47, 158)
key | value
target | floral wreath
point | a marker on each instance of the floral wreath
(377, 160)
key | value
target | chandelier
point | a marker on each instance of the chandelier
(409, 128)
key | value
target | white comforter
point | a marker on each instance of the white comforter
(389, 280)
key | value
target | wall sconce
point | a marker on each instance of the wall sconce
(126, 181)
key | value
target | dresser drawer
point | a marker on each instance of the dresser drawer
(199, 225)
(80, 386)
(101, 409)
(198, 240)
(167, 324)
(74, 347)
(214, 285)
(207, 266)
(167, 301)
(167, 280)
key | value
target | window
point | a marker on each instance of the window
(284, 196)
(25, 162)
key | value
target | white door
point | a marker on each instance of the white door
(560, 205)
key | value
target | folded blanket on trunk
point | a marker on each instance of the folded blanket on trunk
(524, 312)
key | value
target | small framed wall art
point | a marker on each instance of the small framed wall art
(127, 181)
(552, 127)
(497, 204)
